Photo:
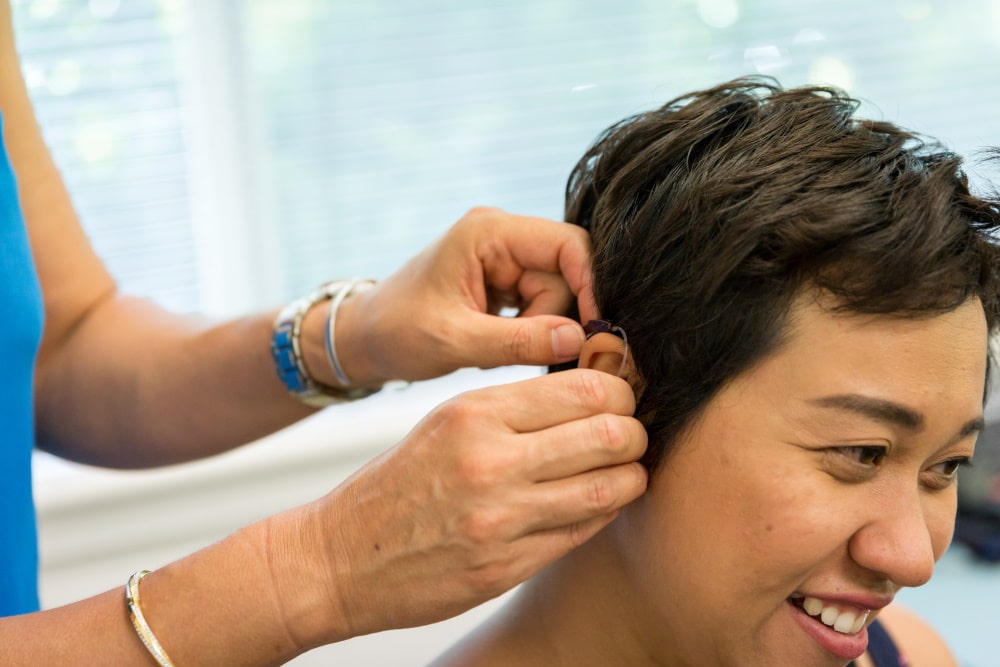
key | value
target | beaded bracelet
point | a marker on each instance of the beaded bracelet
(139, 621)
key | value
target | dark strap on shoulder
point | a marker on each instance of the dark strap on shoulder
(881, 649)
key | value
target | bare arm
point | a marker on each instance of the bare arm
(485, 491)
(225, 620)
(119, 381)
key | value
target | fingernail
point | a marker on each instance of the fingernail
(567, 341)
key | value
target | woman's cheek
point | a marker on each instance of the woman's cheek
(940, 513)
(798, 520)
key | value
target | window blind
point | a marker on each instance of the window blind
(360, 131)
(103, 79)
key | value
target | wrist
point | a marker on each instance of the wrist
(307, 595)
(352, 348)
(231, 592)
(357, 343)
(295, 347)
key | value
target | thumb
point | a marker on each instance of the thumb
(536, 340)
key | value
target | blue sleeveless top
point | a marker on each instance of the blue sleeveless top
(20, 334)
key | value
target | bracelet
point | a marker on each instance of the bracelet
(347, 290)
(139, 621)
(286, 350)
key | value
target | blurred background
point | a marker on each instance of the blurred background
(229, 155)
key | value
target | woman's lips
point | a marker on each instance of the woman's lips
(848, 646)
(845, 618)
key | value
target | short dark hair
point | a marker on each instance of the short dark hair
(710, 214)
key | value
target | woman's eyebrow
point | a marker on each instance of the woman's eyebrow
(888, 411)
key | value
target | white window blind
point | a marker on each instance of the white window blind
(231, 154)
(103, 79)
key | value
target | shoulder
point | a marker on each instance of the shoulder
(916, 639)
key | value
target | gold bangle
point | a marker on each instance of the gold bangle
(139, 621)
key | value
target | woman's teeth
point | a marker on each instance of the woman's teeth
(846, 622)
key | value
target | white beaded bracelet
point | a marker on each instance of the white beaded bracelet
(139, 621)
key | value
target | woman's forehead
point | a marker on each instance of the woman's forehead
(929, 360)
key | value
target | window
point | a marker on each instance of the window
(107, 93)
(230, 155)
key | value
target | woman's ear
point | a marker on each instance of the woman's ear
(605, 352)
(608, 353)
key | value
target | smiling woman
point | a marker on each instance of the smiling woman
(807, 298)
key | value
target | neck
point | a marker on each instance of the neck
(578, 612)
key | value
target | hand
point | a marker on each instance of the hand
(438, 313)
(489, 488)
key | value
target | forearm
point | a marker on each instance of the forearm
(94, 631)
(218, 606)
(135, 386)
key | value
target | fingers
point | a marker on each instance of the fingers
(564, 503)
(499, 260)
(534, 293)
(565, 525)
(504, 341)
(549, 522)
(587, 305)
(543, 294)
(512, 243)
(557, 398)
(530, 338)
(534, 551)
(584, 444)
(534, 243)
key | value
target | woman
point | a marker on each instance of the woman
(803, 300)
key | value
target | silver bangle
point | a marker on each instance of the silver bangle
(286, 350)
(345, 291)
(139, 621)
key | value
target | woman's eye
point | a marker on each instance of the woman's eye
(866, 455)
(949, 469)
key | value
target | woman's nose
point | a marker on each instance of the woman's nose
(903, 540)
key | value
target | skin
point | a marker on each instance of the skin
(488, 489)
(766, 495)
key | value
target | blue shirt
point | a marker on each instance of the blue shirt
(20, 334)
